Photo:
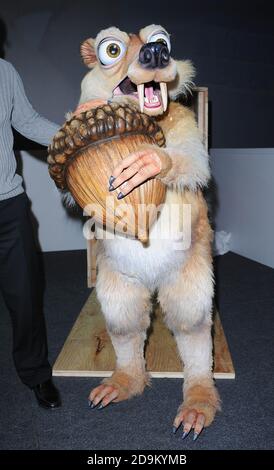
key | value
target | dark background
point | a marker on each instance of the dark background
(231, 44)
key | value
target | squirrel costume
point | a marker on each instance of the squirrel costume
(137, 70)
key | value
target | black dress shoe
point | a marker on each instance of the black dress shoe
(47, 395)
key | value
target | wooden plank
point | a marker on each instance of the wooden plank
(88, 351)
(200, 105)
(91, 262)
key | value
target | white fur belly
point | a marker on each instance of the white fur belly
(164, 254)
(147, 264)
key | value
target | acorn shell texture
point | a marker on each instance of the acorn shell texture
(84, 153)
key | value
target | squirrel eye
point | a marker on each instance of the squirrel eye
(113, 50)
(161, 36)
(110, 51)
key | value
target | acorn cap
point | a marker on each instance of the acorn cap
(96, 126)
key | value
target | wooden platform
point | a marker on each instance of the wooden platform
(88, 351)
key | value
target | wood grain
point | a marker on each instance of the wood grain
(88, 351)
(91, 262)
(202, 113)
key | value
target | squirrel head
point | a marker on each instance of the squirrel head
(136, 68)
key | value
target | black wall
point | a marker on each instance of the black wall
(231, 44)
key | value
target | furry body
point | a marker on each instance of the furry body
(128, 272)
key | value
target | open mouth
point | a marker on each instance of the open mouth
(150, 95)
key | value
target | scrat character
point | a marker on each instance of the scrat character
(139, 68)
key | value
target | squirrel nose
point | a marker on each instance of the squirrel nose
(154, 55)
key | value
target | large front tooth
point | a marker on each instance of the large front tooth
(163, 88)
(140, 89)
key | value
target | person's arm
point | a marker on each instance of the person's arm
(25, 119)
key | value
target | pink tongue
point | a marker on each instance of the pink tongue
(149, 92)
(117, 91)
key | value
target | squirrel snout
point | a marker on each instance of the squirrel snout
(154, 55)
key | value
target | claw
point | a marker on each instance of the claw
(190, 419)
(102, 395)
(120, 196)
(174, 429)
(185, 433)
(111, 179)
(199, 425)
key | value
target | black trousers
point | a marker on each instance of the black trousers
(20, 284)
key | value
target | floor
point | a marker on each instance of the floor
(245, 294)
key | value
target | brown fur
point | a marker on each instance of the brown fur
(204, 399)
(197, 267)
(185, 292)
(127, 385)
(134, 46)
(177, 115)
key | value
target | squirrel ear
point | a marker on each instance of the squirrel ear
(87, 52)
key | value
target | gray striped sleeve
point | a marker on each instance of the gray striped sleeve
(25, 119)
